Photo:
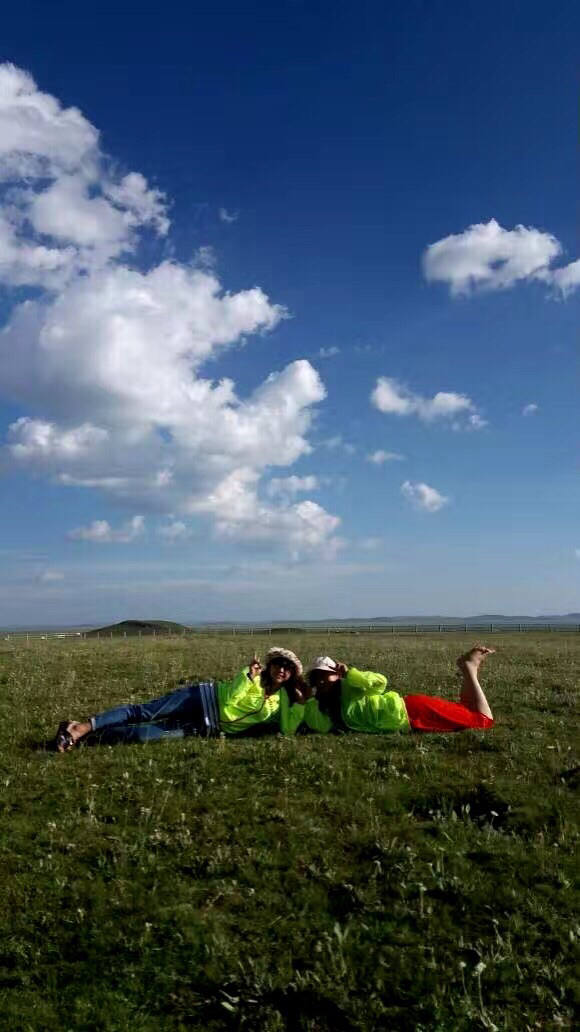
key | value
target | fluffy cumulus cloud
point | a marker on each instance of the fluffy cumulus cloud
(421, 496)
(291, 486)
(64, 210)
(105, 356)
(488, 256)
(241, 515)
(528, 410)
(102, 532)
(564, 280)
(394, 398)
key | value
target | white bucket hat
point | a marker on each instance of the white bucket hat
(324, 663)
(275, 651)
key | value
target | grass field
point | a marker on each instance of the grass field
(349, 882)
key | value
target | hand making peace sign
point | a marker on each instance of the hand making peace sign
(255, 666)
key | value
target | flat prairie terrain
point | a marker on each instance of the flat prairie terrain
(421, 882)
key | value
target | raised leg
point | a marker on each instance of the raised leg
(472, 694)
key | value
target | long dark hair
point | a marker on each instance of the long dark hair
(294, 681)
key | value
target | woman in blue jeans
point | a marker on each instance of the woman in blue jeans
(250, 702)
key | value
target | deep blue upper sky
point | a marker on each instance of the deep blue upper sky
(347, 137)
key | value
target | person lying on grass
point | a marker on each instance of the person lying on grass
(354, 700)
(249, 703)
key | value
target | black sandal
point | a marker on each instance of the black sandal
(64, 740)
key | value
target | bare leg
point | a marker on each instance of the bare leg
(472, 694)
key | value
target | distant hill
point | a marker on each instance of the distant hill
(145, 627)
(483, 618)
(132, 628)
(394, 621)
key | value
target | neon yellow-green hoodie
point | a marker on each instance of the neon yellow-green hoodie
(367, 707)
(297, 713)
(243, 703)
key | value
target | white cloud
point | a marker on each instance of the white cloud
(394, 398)
(565, 280)
(475, 422)
(242, 516)
(528, 410)
(488, 256)
(380, 456)
(35, 132)
(424, 497)
(389, 396)
(65, 209)
(106, 357)
(227, 216)
(328, 352)
(41, 443)
(101, 532)
(146, 204)
(176, 531)
(290, 486)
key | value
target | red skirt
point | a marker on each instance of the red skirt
(430, 713)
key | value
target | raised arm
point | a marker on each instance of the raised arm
(242, 691)
(365, 681)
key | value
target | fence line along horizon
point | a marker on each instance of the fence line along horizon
(249, 630)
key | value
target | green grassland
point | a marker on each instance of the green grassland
(346, 882)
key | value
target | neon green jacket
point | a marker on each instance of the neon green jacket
(297, 713)
(243, 703)
(367, 707)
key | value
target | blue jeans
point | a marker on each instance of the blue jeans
(174, 715)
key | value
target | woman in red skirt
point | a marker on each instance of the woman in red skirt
(357, 700)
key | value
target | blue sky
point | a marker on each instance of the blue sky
(289, 299)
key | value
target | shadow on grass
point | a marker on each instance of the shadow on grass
(570, 778)
(299, 1008)
(33, 744)
(479, 805)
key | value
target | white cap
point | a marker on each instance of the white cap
(324, 663)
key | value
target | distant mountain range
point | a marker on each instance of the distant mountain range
(484, 618)
(133, 626)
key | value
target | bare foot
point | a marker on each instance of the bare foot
(473, 659)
